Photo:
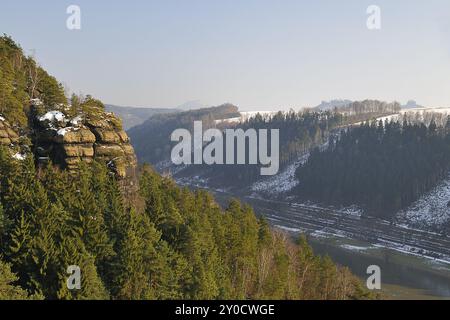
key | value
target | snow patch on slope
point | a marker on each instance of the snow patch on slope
(431, 210)
(282, 182)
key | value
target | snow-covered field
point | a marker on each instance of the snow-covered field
(445, 110)
(418, 113)
(431, 210)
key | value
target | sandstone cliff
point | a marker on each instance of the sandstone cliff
(66, 139)
(8, 136)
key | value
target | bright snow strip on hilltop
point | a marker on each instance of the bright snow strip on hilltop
(413, 111)
(281, 182)
(444, 110)
(430, 211)
(53, 116)
(246, 115)
(1, 118)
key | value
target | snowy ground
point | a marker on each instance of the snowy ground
(445, 110)
(245, 115)
(282, 182)
(431, 210)
(417, 114)
(285, 180)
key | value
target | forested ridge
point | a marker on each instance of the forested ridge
(170, 244)
(298, 130)
(298, 133)
(383, 167)
(154, 241)
(22, 79)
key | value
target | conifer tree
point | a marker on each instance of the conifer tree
(8, 289)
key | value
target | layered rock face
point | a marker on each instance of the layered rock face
(69, 141)
(8, 136)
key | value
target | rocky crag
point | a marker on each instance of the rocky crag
(67, 139)
(39, 120)
(8, 136)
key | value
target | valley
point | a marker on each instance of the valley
(412, 245)
(423, 257)
(183, 154)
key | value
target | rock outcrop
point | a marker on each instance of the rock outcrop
(68, 141)
(8, 135)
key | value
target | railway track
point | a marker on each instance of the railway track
(311, 220)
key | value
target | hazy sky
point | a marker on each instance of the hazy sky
(256, 54)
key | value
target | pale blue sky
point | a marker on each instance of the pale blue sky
(254, 53)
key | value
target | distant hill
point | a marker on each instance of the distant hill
(132, 116)
(330, 105)
(192, 105)
(411, 104)
(343, 103)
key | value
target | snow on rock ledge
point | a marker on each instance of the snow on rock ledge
(19, 156)
(53, 116)
(86, 137)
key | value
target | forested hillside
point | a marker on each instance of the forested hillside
(382, 167)
(147, 239)
(22, 79)
(170, 244)
(370, 107)
(152, 138)
(298, 132)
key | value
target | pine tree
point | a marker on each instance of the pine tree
(8, 289)
(89, 216)
(136, 254)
